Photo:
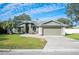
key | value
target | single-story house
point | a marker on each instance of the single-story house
(76, 27)
(42, 28)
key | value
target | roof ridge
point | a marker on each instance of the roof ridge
(60, 23)
(50, 21)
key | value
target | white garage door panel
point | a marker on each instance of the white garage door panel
(48, 31)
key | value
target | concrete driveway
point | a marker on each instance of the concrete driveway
(57, 42)
(61, 42)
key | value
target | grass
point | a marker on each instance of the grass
(16, 42)
(73, 36)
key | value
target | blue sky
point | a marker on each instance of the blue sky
(42, 11)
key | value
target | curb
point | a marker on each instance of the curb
(39, 50)
(5, 50)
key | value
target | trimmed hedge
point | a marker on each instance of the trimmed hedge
(3, 31)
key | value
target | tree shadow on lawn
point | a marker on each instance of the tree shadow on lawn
(2, 39)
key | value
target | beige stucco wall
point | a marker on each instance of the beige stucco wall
(37, 29)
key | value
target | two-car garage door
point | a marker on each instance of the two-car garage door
(51, 31)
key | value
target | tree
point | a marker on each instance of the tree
(23, 17)
(72, 11)
(7, 25)
(20, 19)
(2, 31)
(64, 21)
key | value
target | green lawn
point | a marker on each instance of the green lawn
(73, 36)
(16, 42)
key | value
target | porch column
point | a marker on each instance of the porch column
(63, 31)
(40, 32)
(25, 28)
(30, 29)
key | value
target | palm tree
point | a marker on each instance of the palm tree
(7, 25)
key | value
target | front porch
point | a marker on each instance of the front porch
(27, 28)
(32, 35)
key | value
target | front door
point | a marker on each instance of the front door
(27, 28)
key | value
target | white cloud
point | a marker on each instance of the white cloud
(32, 11)
(44, 9)
(12, 6)
(53, 17)
(7, 10)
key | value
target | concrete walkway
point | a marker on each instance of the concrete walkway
(32, 35)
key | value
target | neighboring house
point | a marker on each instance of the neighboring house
(42, 28)
(76, 27)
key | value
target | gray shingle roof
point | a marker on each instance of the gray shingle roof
(51, 23)
(46, 23)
